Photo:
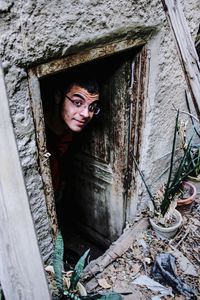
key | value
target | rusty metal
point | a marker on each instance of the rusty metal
(136, 118)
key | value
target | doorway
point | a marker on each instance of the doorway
(101, 182)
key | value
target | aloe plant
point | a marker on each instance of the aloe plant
(58, 267)
(175, 178)
(78, 270)
(58, 261)
(173, 185)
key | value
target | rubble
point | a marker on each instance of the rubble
(123, 273)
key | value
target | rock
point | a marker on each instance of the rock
(128, 291)
(185, 265)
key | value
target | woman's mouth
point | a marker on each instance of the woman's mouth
(80, 123)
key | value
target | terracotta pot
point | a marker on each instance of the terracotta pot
(167, 232)
(191, 189)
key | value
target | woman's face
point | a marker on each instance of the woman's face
(75, 112)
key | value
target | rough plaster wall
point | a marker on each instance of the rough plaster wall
(18, 93)
(20, 107)
(169, 91)
(37, 31)
(62, 24)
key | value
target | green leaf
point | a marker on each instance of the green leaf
(108, 296)
(167, 199)
(58, 261)
(78, 270)
(186, 166)
(71, 295)
(194, 160)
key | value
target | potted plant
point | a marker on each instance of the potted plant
(193, 158)
(192, 167)
(188, 193)
(166, 219)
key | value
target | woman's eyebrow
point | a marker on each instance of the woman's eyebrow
(80, 96)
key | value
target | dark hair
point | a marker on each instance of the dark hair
(91, 85)
(59, 90)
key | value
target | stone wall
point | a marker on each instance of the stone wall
(32, 32)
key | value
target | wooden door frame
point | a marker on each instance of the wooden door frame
(113, 45)
(140, 74)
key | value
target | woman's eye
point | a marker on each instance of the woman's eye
(78, 103)
(92, 106)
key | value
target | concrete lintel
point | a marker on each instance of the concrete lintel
(95, 47)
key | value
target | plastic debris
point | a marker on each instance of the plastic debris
(185, 265)
(153, 286)
(164, 272)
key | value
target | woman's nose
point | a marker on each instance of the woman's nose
(85, 112)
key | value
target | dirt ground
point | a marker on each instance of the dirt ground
(122, 275)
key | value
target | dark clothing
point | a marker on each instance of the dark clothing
(60, 162)
(57, 146)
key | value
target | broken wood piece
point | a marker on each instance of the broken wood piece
(183, 238)
(116, 249)
(186, 49)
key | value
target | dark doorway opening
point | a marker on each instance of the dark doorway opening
(92, 207)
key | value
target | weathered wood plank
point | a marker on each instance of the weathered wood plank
(21, 270)
(42, 150)
(186, 48)
(116, 249)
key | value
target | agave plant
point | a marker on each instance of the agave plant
(194, 155)
(178, 172)
(194, 160)
(70, 293)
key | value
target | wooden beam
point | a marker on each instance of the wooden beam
(22, 274)
(116, 249)
(186, 49)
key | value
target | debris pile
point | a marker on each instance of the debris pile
(131, 273)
